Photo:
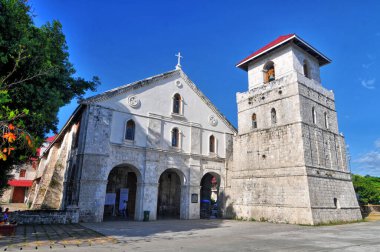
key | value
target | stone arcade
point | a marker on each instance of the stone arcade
(165, 143)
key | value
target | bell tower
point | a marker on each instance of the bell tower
(289, 162)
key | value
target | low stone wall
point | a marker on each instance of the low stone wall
(45, 216)
(368, 209)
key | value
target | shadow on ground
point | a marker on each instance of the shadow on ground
(134, 229)
(52, 236)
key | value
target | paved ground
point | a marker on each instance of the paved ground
(226, 235)
(57, 237)
(206, 235)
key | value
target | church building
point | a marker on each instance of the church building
(160, 145)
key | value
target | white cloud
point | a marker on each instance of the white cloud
(371, 56)
(370, 157)
(368, 163)
(369, 84)
(377, 143)
(367, 66)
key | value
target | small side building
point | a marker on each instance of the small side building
(23, 178)
(21, 182)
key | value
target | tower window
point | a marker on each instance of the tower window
(177, 104)
(306, 69)
(326, 121)
(175, 137)
(269, 74)
(254, 121)
(314, 115)
(273, 116)
(130, 130)
(336, 203)
(212, 144)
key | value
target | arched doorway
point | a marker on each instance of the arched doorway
(169, 195)
(209, 205)
(121, 186)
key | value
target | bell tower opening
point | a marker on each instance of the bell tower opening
(269, 74)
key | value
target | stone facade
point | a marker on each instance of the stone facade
(98, 128)
(69, 215)
(285, 164)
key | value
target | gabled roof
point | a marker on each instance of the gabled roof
(125, 88)
(207, 101)
(282, 40)
(50, 139)
(150, 80)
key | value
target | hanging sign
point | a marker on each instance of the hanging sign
(110, 199)
(194, 198)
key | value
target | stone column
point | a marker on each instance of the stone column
(184, 208)
(91, 200)
(194, 188)
(139, 214)
(221, 201)
(194, 208)
(149, 200)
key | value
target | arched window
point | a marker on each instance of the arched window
(130, 130)
(212, 144)
(314, 115)
(269, 74)
(177, 104)
(326, 121)
(254, 121)
(306, 69)
(175, 137)
(273, 116)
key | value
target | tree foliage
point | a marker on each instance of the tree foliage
(36, 79)
(368, 189)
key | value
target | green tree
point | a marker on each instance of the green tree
(368, 189)
(36, 79)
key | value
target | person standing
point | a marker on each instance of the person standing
(5, 216)
(125, 209)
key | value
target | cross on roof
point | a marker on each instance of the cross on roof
(178, 55)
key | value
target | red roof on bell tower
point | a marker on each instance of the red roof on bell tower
(281, 40)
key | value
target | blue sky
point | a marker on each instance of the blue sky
(124, 41)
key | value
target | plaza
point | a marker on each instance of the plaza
(194, 235)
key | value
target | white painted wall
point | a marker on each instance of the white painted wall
(283, 64)
(299, 55)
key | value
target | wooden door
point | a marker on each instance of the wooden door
(18, 195)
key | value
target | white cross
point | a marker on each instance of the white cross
(178, 55)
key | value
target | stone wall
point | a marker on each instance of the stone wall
(268, 177)
(368, 209)
(45, 216)
(48, 188)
